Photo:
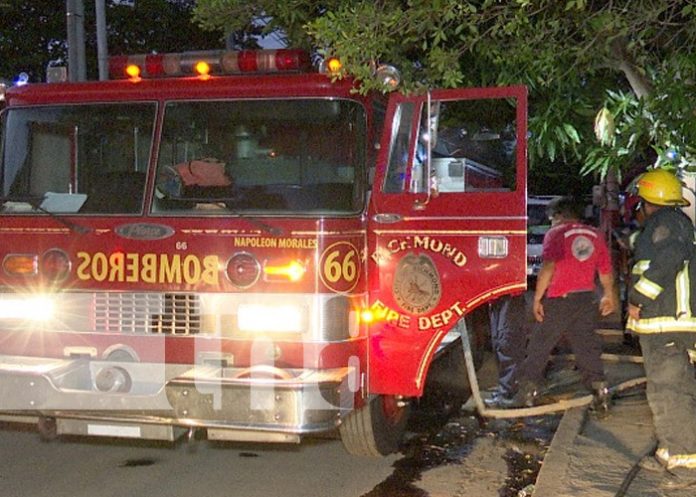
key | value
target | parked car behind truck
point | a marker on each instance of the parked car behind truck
(537, 225)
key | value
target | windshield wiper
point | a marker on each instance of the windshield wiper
(272, 230)
(35, 202)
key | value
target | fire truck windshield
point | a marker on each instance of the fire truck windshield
(265, 156)
(229, 157)
(76, 158)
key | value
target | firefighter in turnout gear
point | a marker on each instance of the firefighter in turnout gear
(661, 310)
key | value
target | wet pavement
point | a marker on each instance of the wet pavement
(594, 456)
(457, 453)
(437, 453)
(575, 453)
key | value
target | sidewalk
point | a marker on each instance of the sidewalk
(591, 457)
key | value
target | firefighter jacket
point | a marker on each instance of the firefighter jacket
(664, 252)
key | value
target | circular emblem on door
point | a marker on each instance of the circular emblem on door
(417, 286)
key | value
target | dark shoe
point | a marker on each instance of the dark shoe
(526, 396)
(652, 464)
(500, 401)
(602, 400)
(675, 479)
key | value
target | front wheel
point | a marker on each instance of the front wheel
(376, 428)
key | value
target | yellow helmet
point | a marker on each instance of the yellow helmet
(660, 187)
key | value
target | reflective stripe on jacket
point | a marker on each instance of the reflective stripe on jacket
(663, 274)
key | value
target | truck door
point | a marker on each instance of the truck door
(447, 222)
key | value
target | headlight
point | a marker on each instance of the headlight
(280, 318)
(35, 308)
(243, 270)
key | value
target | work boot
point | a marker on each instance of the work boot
(601, 398)
(527, 395)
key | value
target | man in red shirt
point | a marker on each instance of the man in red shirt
(565, 301)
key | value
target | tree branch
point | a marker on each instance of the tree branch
(639, 83)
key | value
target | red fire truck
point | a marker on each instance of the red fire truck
(238, 244)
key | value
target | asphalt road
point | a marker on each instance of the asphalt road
(450, 456)
(442, 456)
(80, 467)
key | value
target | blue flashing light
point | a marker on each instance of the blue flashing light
(21, 79)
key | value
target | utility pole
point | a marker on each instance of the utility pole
(102, 48)
(77, 70)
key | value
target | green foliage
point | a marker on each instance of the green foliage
(662, 126)
(28, 37)
(576, 57)
(153, 26)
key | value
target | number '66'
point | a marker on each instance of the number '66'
(336, 268)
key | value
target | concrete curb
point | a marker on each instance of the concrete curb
(551, 480)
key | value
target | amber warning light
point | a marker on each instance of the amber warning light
(208, 63)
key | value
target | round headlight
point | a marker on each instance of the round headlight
(55, 265)
(243, 270)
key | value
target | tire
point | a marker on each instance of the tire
(376, 428)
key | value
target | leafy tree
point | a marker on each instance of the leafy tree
(29, 37)
(633, 58)
(33, 33)
(156, 26)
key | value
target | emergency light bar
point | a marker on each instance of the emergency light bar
(208, 63)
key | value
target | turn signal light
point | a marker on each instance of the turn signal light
(293, 270)
(21, 264)
(367, 316)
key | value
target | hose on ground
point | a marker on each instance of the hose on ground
(607, 357)
(513, 412)
(623, 488)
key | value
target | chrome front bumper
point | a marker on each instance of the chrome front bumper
(128, 399)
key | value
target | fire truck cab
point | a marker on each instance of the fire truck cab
(254, 250)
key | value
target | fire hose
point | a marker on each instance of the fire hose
(561, 405)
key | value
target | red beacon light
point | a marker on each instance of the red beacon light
(210, 63)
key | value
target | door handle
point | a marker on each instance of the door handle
(386, 218)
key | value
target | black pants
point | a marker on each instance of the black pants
(575, 317)
(671, 390)
(508, 339)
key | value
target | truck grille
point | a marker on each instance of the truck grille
(168, 313)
